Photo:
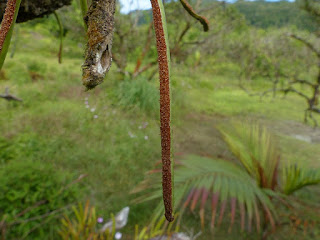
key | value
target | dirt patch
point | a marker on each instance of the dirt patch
(198, 135)
(295, 130)
(78, 92)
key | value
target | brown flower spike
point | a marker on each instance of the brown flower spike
(7, 21)
(164, 110)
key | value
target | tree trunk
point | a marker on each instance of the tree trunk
(31, 9)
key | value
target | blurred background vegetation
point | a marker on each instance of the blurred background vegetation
(62, 146)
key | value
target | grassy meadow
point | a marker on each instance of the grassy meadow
(110, 135)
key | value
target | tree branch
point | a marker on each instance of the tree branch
(201, 19)
(308, 44)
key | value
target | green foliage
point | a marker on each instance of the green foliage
(7, 150)
(32, 194)
(54, 126)
(157, 228)
(139, 93)
(250, 183)
(265, 14)
(297, 177)
(255, 149)
(83, 225)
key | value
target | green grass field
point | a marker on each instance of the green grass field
(111, 134)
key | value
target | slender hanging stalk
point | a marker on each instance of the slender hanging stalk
(7, 25)
(60, 35)
(164, 74)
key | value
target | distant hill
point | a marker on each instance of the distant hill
(265, 14)
(260, 13)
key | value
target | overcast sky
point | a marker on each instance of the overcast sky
(129, 5)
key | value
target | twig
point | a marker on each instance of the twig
(39, 217)
(201, 19)
(9, 97)
(37, 204)
(145, 68)
(145, 50)
(308, 44)
(60, 35)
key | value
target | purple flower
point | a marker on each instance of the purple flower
(100, 220)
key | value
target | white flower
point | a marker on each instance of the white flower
(146, 137)
(93, 109)
(95, 116)
(118, 235)
(131, 135)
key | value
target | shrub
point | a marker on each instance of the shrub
(32, 195)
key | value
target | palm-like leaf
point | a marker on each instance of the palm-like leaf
(254, 147)
(248, 184)
(295, 178)
(223, 182)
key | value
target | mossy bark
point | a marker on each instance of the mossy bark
(31, 9)
(98, 57)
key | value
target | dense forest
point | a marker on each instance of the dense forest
(264, 14)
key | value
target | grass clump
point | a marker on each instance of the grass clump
(139, 93)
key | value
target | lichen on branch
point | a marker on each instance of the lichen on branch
(98, 56)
